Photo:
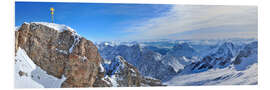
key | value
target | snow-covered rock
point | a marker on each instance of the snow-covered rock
(119, 73)
(28, 75)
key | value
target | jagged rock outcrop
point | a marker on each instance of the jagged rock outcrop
(120, 73)
(60, 52)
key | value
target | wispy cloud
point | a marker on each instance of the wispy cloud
(233, 21)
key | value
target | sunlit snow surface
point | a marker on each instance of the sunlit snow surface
(35, 77)
(225, 76)
(23, 63)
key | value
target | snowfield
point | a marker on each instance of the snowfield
(225, 76)
(29, 75)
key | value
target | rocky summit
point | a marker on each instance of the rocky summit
(60, 51)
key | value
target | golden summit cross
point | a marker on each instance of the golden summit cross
(52, 12)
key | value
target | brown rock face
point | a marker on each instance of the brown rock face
(60, 53)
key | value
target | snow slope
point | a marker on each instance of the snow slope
(225, 76)
(24, 64)
(33, 76)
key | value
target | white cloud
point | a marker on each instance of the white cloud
(184, 18)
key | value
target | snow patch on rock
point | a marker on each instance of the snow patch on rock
(76, 41)
(61, 51)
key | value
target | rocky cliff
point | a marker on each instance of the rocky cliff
(60, 51)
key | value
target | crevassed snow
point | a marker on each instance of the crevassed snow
(225, 76)
(36, 77)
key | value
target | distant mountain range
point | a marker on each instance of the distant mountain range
(167, 59)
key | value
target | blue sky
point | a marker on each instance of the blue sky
(105, 22)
